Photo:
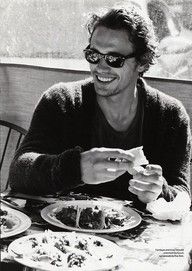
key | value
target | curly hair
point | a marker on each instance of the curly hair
(140, 32)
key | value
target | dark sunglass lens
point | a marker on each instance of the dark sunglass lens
(92, 57)
(115, 61)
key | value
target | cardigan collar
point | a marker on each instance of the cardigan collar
(89, 95)
(87, 111)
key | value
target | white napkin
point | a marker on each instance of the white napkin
(173, 210)
(140, 158)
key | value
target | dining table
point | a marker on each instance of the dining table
(151, 245)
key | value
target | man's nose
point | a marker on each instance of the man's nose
(102, 64)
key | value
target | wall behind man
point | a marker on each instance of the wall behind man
(21, 87)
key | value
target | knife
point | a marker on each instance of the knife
(12, 205)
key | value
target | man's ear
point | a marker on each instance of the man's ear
(141, 68)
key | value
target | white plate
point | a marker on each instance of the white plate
(48, 215)
(105, 256)
(21, 220)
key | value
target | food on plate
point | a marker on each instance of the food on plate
(8, 221)
(99, 215)
(115, 217)
(93, 217)
(68, 216)
(66, 250)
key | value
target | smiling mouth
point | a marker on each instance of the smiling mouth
(104, 79)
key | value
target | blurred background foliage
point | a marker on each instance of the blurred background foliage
(55, 29)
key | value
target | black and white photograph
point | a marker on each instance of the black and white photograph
(96, 135)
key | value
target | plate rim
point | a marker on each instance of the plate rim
(39, 267)
(21, 227)
(57, 223)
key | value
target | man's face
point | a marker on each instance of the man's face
(109, 81)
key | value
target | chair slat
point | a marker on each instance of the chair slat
(5, 147)
(12, 128)
(18, 141)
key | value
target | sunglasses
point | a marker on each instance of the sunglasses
(113, 60)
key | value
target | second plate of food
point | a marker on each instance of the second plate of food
(67, 251)
(12, 222)
(91, 216)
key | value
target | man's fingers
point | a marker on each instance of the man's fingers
(113, 154)
(149, 178)
(108, 176)
(113, 174)
(154, 169)
(145, 186)
(151, 174)
(140, 192)
(144, 196)
(112, 165)
(136, 170)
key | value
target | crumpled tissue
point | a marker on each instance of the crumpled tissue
(173, 210)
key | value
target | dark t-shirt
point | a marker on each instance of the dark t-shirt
(104, 135)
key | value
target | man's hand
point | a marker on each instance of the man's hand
(101, 165)
(147, 183)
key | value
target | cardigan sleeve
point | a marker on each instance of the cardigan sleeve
(176, 154)
(44, 164)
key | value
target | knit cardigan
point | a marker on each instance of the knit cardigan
(48, 160)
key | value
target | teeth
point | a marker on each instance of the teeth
(105, 79)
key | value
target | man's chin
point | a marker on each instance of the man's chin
(105, 92)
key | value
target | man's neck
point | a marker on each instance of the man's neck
(119, 110)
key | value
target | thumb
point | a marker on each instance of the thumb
(136, 170)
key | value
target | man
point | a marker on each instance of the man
(80, 130)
